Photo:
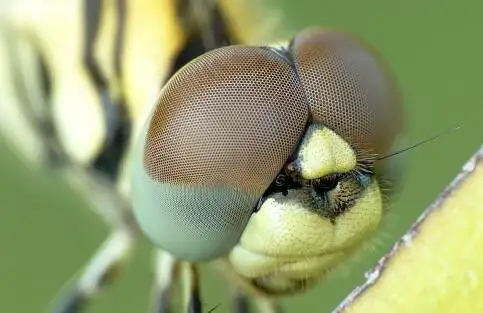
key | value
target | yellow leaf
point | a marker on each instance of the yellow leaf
(437, 266)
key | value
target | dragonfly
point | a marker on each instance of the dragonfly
(178, 123)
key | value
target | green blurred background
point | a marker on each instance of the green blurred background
(434, 47)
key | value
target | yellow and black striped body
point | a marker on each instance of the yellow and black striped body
(80, 76)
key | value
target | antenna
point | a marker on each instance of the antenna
(425, 141)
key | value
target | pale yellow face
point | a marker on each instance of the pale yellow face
(296, 238)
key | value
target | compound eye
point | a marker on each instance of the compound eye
(222, 129)
(349, 89)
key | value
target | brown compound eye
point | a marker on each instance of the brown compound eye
(349, 88)
(222, 129)
(351, 91)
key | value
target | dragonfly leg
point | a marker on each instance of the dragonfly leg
(242, 303)
(100, 270)
(266, 305)
(105, 264)
(191, 288)
(167, 270)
